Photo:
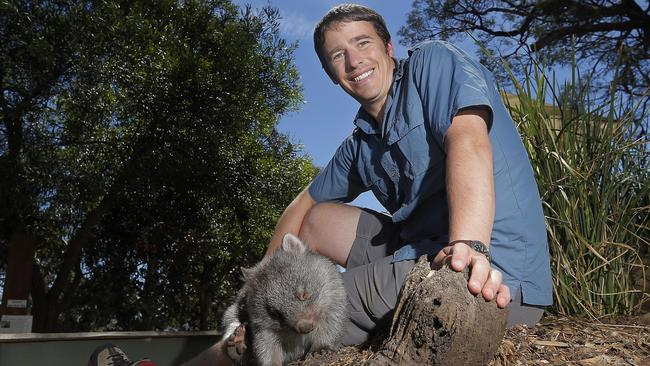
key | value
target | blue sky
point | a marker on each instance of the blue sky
(326, 116)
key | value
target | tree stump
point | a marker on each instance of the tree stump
(436, 322)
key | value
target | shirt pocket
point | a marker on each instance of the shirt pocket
(372, 176)
(419, 151)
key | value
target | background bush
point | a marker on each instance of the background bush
(591, 163)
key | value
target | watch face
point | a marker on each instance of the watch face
(480, 247)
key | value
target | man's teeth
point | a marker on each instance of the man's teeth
(364, 75)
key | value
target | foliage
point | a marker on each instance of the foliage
(608, 35)
(139, 147)
(591, 166)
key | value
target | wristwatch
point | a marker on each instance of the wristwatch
(478, 247)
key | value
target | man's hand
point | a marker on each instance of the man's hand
(483, 278)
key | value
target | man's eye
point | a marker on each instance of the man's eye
(363, 43)
(337, 56)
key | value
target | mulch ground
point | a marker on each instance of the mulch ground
(555, 341)
(564, 341)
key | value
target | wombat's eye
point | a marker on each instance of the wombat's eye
(274, 313)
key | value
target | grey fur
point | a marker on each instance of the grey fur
(282, 326)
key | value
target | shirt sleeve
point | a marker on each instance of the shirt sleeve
(339, 181)
(448, 80)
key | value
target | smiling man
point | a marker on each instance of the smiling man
(435, 144)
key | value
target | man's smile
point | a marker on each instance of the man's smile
(363, 76)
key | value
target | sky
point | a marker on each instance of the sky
(326, 116)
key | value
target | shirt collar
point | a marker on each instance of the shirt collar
(366, 123)
(400, 62)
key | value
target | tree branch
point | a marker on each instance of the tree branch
(579, 30)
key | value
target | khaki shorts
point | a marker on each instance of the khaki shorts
(373, 281)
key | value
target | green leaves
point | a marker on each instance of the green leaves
(150, 164)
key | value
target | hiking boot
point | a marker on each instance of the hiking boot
(109, 355)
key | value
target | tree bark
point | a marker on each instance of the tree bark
(438, 322)
(18, 281)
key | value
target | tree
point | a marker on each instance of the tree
(612, 38)
(139, 159)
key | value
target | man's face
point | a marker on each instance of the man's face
(358, 61)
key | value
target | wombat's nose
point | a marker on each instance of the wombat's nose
(305, 326)
(303, 295)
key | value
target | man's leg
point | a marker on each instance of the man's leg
(521, 313)
(363, 241)
(372, 280)
(330, 229)
(372, 294)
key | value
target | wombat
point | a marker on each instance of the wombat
(294, 303)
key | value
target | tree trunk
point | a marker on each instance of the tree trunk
(205, 302)
(18, 281)
(438, 322)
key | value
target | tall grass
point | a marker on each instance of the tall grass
(590, 160)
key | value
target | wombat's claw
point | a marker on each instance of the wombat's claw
(235, 344)
(324, 351)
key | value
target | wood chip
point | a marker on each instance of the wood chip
(602, 360)
(550, 343)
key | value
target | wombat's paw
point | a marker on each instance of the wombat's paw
(324, 351)
(235, 344)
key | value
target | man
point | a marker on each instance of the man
(438, 149)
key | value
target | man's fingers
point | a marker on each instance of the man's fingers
(503, 296)
(479, 274)
(491, 286)
(483, 278)
(460, 256)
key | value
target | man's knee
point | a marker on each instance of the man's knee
(330, 229)
(315, 217)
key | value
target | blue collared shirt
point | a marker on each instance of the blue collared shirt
(403, 163)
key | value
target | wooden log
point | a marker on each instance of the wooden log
(439, 322)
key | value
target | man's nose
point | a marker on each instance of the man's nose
(354, 59)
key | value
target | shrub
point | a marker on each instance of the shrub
(590, 160)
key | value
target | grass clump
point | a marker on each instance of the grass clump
(590, 160)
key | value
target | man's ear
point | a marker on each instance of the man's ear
(389, 49)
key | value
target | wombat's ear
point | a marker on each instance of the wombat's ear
(247, 273)
(291, 243)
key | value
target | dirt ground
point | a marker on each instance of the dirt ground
(555, 341)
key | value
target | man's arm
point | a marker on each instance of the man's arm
(471, 198)
(470, 182)
(291, 219)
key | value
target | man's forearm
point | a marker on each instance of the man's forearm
(470, 181)
(471, 199)
(291, 219)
